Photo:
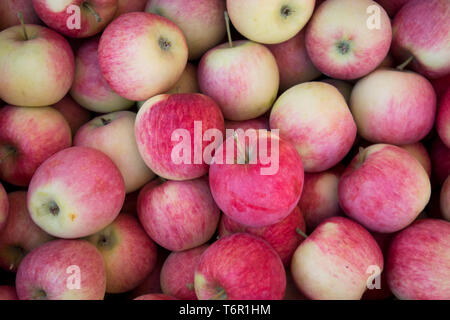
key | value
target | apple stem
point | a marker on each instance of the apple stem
(190, 286)
(361, 155)
(404, 64)
(227, 23)
(300, 232)
(162, 179)
(88, 6)
(7, 154)
(239, 147)
(22, 23)
(221, 295)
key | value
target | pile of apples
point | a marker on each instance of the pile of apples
(355, 95)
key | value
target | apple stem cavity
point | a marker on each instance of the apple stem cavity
(8, 153)
(300, 232)
(164, 44)
(405, 64)
(240, 150)
(40, 295)
(343, 47)
(221, 295)
(105, 121)
(22, 23)
(227, 23)
(190, 286)
(53, 208)
(91, 9)
(286, 11)
(361, 156)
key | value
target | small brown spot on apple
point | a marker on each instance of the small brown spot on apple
(72, 216)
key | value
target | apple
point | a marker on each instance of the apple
(4, 206)
(90, 88)
(62, 270)
(293, 62)
(237, 267)
(9, 10)
(418, 261)
(418, 151)
(252, 189)
(393, 106)
(113, 134)
(178, 215)
(284, 236)
(74, 114)
(8, 293)
(319, 199)
(155, 296)
(335, 261)
(75, 193)
(125, 6)
(443, 119)
(255, 124)
(241, 77)
(441, 85)
(21, 234)
(177, 273)
(445, 199)
(37, 66)
(440, 161)
(120, 243)
(384, 188)
(269, 21)
(392, 6)
(201, 21)
(141, 55)
(420, 30)
(315, 118)
(157, 124)
(59, 15)
(28, 136)
(345, 88)
(344, 41)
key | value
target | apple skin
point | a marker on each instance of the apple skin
(339, 42)
(9, 10)
(392, 6)
(282, 236)
(249, 197)
(141, 55)
(445, 199)
(90, 88)
(201, 21)
(415, 34)
(319, 199)
(243, 79)
(55, 15)
(418, 261)
(50, 57)
(21, 234)
(440, 160)
(223, 274)
(75, 193)
(74, 114)
(443, 119)
(155, 296)
(345, 88)
(4, 207)
(113, 134)
(178, 215)
(395, 107)
(332, 262)
(121, 242)
(159, 117)
(418, 151)
(28, 136)
(269, 21)
(315, 118)
(8, 293)
(293, 62)
(441, 85)
(255, 124)
(384, 188)
(43, 275)
(178, 271)
(125, 6)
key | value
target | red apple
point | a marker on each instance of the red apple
(9, 10)
(420, 30)
(4, 206)
(129, 254)
(8, 293)
(59, 15)
(155, 296)
(293, 62)
(74, 114)
(37, 66)
(384, 188)
(254, 189)
(419, 261)
(141, 55)
(445, 199)
(28, 136)
(240, 267)
(344, 42)
(443, 119)
(335, 261)
(392, 6)
(284, 236)
(76, 193)
(21, 234)
(62, 270)
(440, 160)
(178, 215)
(177, 273)
(162, 118)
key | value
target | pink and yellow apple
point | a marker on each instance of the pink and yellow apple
(418, 151)
(9, 10)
